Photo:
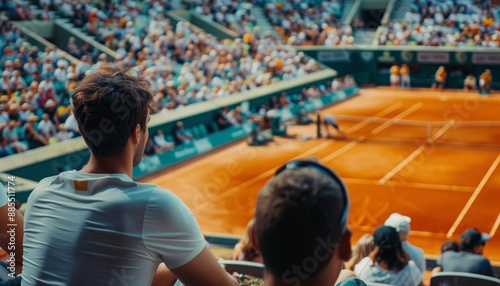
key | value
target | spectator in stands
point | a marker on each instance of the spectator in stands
(151, 148)
(470, 259)
(181, 135)
(34, 138)
(11, 138)
(221, 119)
(349, 81)
(46, 128)
(470, 82)
(244, 249)
(402, 224)
(450, 245)
(161, 142)
(63, 134)
(110, 239)
(301, 220)
(362, 249)
(388, 263)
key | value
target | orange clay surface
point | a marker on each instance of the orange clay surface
(445, 186)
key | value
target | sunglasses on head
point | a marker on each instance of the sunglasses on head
(300, 164)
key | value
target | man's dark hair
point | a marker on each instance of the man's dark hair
(297, 214)
(108, 105)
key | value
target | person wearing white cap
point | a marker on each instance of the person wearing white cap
(402, 224)
(470, 259)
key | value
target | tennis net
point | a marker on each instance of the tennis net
(466, 134)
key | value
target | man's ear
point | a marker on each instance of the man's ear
(344, 246)
(136, 135)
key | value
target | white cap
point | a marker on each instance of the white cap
(398, 221)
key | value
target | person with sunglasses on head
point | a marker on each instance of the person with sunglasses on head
(470, 259)
(301, 226)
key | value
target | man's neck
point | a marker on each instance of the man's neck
(119, 164)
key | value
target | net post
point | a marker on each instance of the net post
(429, 133)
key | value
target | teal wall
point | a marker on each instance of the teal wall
(367, 64)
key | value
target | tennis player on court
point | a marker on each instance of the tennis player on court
(328, 121)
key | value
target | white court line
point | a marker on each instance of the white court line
(437, 187)
(414, 154)
(378, 115)
(474, 196)
(396, 118)
(495, 226)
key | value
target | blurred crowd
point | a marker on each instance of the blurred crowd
(232, 14)
(310, 22)
(457, 23)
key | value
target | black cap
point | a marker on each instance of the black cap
(471, 237)
(386, 237)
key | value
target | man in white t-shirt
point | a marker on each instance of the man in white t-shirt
(402, 224)
(97, 226)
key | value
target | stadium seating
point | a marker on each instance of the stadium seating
(306, 23)
(460, 279)
(440, 23)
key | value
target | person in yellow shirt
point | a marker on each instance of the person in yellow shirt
(440, 78)
(394, 76)
(485, 82)
(405, 76)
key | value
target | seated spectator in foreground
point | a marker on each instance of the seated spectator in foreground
(470, 259)
(362, 249)
(119, 237)
(244, 249)
(450, 245)
(388, 263)
(301, 220)
(402, 225)
(181, 134)
(161, 142)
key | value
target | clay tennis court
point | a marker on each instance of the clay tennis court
(433, 156)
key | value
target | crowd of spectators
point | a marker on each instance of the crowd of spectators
(232, 14)
(310, 22)
(34, 88)
(184, 65)
(19, 10)
(459, 23)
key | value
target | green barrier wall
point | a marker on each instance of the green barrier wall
(370, 65)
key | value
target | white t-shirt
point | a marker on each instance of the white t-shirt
(368, 271)
(104, 229)
(3, 196)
